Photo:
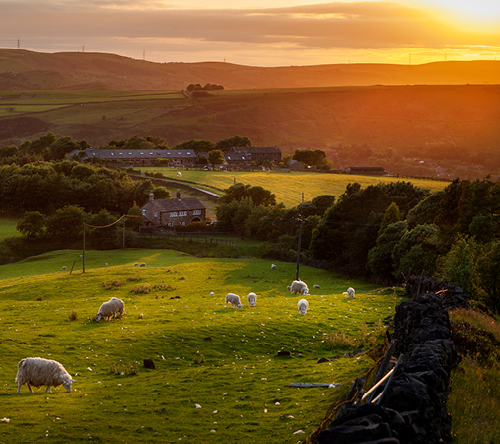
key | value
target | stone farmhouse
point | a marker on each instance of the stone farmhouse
(172, 212)
(178, 158)
(243, 155)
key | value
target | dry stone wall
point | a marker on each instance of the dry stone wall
(413, 408)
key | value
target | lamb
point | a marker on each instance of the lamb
(234, 299)
(39, 371)
(350, 292)
(316, 286)
(303, 305)
(63, 268)
(179, 174)
(212, 293)
(142, 265)
(110, 309)
(252, 299)
(299, 287)
(273, 267)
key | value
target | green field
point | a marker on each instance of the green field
(290, 188)
(8, 227)
(230, 388)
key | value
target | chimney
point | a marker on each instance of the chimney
(151, 197)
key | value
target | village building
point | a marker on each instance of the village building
(244, 155)
(172, 212)
(177, 158)
(371, 171)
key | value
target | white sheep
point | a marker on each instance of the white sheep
(39, 371)
(299, 287)
(273, 267)
(252, 299)
(179, 174)
(303, 305)
(136, 264)
(316, 286)
(350, 292)
(63, 268)
(212, 293)
(110, 309)
(142, 264)
(234, 299)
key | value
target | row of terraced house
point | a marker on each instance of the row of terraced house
(236, 157)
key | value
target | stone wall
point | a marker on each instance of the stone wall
(413, 408)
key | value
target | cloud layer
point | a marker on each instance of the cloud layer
(305, 34)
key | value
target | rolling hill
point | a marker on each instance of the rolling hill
(21, 69)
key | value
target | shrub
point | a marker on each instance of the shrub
(141, 289)
(73, 316)
(112, 285)
(122, 369)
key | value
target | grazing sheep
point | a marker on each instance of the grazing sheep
(212, 293)
(252, 299)
(142, 265)
(350, 292)
(273, 267)
(63, 268)
(299, 287)
(234, 299)
(136, 264)
(303, 305)
(110, 309)
(39, 371)
(316, 286)
(179, 174)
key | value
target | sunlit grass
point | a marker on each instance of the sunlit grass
(221, 359)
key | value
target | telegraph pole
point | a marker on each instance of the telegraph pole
(83, 255)
(298, 249)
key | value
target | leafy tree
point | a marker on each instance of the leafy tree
(380, 260)
(483, 228)
(459, 265)
(391, 216)
(488, 269)
(240, 191)
(260, 196)
(215, 157)
(197, 145)
(138, 143)
(417, 250)
(322, 203)
(61, 147)
(32, 225)
(66, 223)
(134, 222)
(103, 233)
(226, 144)
(309, 157)
(161, 193)
(142, 192)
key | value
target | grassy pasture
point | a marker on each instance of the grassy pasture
(236, 378)
(8, 227)
(288, 187)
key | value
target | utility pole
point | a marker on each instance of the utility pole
(83, 255)
(18, 44)
(298, 249)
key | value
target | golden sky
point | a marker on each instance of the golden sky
(258, 32)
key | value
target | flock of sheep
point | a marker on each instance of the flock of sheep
(37, 372)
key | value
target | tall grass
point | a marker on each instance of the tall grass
(475, 396)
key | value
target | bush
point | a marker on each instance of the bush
(73, 316)
(141, 289)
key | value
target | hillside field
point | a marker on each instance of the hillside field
(290, 188)
(218, 377)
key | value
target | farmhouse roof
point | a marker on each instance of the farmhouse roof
(254, 149)
(135, 154)
(174, 204)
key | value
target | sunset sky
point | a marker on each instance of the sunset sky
(258, 32)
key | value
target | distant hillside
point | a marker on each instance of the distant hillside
(21, 69)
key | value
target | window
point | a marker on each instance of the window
(173, 214)
(183, 213)
(196, 212)
(144, 212)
